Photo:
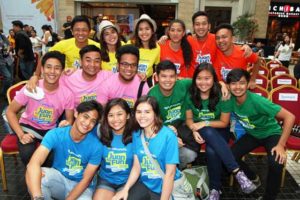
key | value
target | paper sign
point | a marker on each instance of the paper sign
(288, 97)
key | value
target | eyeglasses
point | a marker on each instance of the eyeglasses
(127, 65)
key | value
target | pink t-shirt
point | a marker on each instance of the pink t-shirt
(43, 114)
(115, 88)
(84, 90)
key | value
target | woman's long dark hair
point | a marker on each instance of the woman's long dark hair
(138, 42)
(104, 48)
(106, 131)
(185, 45)
(284, 43)
(215, 91)
(154, 104)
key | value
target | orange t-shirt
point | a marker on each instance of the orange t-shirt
(166, 53)
(224, 64)
(203, 51)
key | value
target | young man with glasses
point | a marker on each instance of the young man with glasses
(126, 83)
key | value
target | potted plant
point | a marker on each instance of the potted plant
(245, 27)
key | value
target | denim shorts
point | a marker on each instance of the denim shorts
(103, 184)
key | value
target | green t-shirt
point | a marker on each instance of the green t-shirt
(257, 115)
(171, 107)
(205, 114)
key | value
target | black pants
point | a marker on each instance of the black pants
(248, 143)
(27, 150)
(140, 192)
(285, 63)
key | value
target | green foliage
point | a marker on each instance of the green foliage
(245, 27)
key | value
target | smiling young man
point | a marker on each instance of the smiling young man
(86, 82)
(77, 155)
(170, 94)
(80, 27)
(125, 84)
(203, 42)
(230, 56)
(258, 117)
(42, 114)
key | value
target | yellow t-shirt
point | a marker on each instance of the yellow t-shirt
(112, 64)
(148, 58)
(69, 48)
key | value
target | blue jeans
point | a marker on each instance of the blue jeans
(27, 68)
(217, 152)
(57, 186)
(248, 143)
(8, 77)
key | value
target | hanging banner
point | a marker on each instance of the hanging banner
(35, 13)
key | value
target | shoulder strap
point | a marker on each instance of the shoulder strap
(141, 86)
(147, 152)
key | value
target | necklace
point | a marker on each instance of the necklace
(147, 139)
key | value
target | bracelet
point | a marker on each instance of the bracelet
(38, 197)
(207, 123)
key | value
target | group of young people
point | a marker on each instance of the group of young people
(145, 135)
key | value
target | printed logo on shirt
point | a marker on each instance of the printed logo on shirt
(174, 113)
(114, 69)
(203, 58)
(245, 122)
(142, 67)
(148, 169)
(88, 97)
(205, 114)
(73, 163)
(130, 101)
(177, 67)
(76, 64)
(116, 161)
(43, 115)
(224, 72)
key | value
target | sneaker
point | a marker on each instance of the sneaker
(256, 181)
(214, 195)
(246, 185)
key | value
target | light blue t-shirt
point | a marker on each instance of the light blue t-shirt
(116, 161)
(164, 149)
(71, 158)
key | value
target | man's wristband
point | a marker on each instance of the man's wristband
(207, 123)
(38, 198)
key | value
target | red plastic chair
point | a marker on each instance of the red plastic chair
(264, 71)
(9, 144)
(262, 81)
(283, 79)
(273, 63)
(260, 91)
(289, 98)
(279, 70)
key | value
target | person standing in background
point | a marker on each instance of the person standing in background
(23, 50)
(67, 28)
(36, 42)
(285, 50)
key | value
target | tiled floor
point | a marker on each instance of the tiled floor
(17, 188)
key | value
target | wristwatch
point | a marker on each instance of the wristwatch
(207, 123)
(38, 198)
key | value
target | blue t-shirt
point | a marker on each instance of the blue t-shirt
(164, 149)
(116, 161)
(71, 158)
